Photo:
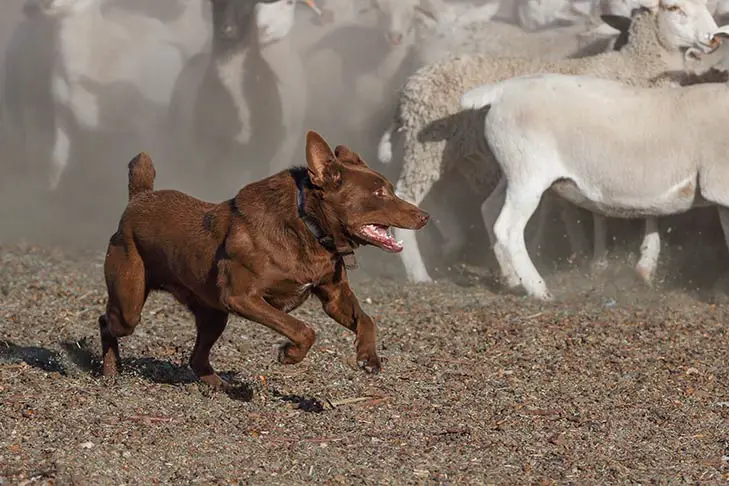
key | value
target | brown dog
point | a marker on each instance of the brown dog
(259, 255)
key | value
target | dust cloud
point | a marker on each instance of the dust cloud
(84, 210)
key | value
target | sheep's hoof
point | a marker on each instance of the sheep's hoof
(645, 274)
(545, 296)
(420, 279)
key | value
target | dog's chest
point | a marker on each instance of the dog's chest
(292, 298)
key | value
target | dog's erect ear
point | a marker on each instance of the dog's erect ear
(345, 154)
(319, 158)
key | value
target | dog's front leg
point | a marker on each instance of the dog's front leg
(256, 309)
(341, 305)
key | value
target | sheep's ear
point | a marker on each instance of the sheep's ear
(617, 22)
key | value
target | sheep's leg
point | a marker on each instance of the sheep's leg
(650, 249)
(413, 185)
(411, 256)
(490, 210)
(59, 156)
(599, 249)
(519, 206)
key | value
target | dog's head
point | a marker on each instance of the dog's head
(355, 200)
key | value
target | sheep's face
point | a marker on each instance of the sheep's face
(274, 20)
(686, 23)
(397, 18)
(234, 19)
(57, 8)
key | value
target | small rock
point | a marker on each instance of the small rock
(87, 445)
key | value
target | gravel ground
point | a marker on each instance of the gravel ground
(614, 383)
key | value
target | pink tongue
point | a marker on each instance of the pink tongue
(380, 233)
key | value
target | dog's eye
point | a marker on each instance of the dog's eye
(380, 192)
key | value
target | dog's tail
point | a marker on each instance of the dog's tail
(141, 175)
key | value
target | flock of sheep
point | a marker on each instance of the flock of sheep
(587, 98)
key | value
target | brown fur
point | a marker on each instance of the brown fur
(252, 255)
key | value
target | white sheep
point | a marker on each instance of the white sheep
(111, 72)
(438, 136)
(642, 152)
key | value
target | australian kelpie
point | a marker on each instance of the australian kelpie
(259, 255)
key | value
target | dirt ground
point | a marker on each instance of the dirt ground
(612, 384)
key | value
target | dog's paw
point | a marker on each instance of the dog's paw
(371, 364)
(289, 353)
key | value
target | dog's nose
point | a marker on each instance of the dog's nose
(423, 219)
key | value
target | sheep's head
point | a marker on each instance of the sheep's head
(397, 18)
(233, 20)
(699, 61)
(686, 23)
(274, 20)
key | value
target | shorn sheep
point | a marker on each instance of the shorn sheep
(437, 136)
(643, 152)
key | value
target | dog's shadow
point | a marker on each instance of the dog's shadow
(77, 357)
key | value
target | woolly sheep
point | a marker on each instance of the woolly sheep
(438, 137)
(665, 155)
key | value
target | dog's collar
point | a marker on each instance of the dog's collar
(324, 239)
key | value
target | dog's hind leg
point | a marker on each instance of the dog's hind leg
(127, 292)
(210, 325)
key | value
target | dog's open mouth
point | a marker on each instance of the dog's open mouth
(379, 235)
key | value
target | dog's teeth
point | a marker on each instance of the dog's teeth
(399, 242)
